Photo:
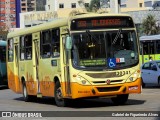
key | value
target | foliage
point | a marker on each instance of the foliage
(149, 25)
(93, 6)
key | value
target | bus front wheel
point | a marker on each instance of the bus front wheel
(60, 101)
(120, 99)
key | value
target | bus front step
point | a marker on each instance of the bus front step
(39, 95)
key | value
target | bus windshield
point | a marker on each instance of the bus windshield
(105, 50)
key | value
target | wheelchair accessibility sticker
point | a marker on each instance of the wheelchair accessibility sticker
(111, 62)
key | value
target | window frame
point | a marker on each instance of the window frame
(26, 47)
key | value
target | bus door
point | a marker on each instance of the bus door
(148, 49)
(36, 61)
(16, 66)
(66, 67)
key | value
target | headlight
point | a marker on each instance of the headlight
(81, 80)
(134, 76)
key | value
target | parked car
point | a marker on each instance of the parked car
(150, 72)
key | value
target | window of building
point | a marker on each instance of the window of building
(10, 50)
(140, 4)
(23, 4)
(46, 44)
(26, 47)
(86, 5)
(73, 5)
(12, 2)
(61, 5)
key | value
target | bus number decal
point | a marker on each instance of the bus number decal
(121, 73)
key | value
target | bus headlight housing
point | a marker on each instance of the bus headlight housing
(82, 80)
(135, 76)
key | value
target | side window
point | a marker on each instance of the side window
(153, 66)
(146, 66)
(10, 50)
(55, 43)
(26, 47)
(2, 53)
(46, 44)
(22, 48)
(158, 47)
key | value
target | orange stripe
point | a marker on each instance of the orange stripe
(13, 82)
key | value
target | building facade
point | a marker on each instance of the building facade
(7, 14)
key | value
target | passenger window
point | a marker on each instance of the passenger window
(26, 47)
(10, 50)
(55, 43)
(22, 48)
(46, 44)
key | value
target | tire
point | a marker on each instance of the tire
(159, 80)
(26, 97)
(143, 84)
(120, 99)
(60, 101)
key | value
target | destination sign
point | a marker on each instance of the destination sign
(102, 22)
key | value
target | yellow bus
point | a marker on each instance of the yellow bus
(85, 56)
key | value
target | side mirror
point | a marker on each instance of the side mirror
(68, 43)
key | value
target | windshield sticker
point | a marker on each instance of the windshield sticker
(92, 62)
(120, 60)
(111, 62)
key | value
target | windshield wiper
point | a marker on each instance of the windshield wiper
(117, 36)
(91, 35)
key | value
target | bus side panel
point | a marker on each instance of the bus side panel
(146, 58)
(48, 69)
(30, 78)
(13, 81)
(47, 88)
(157, 56)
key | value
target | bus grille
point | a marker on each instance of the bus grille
(108, 89)
(112, 81)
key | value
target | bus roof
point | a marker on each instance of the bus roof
(97, 15)
(57, 23)
(3, 43)
(149, 37)
(53, 24)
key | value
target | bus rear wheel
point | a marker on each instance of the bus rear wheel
(60, 101)
(26, 97)
(120, 99)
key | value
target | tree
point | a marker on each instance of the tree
(149, 25)
(94, 5)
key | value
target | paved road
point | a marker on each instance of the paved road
(148, 100)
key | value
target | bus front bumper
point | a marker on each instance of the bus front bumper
(82, 91)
